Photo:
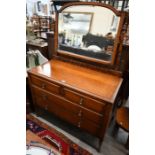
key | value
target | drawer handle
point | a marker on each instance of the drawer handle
(43, 86)
(81, 101)
(79, 124)
(80, 113)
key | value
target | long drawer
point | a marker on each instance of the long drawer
(53, 104)
(78, 110)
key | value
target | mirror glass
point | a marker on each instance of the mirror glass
(87, 31)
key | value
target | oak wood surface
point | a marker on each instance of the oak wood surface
(102, 85)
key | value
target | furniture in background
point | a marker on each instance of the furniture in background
(41, 25)
(42, 47)
(122, 121)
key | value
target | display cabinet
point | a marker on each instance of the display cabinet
(41, 25)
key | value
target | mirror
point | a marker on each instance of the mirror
(88, 32)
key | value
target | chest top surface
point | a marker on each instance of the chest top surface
(103, 85)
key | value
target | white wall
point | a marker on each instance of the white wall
(32, 7)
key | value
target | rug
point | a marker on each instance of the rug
(53, 137)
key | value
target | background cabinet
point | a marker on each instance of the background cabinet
(41, 25)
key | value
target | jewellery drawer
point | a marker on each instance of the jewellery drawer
(63, 103)
(84, 101)
(44, 84)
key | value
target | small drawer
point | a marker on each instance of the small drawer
(84, 101)
(43, 84)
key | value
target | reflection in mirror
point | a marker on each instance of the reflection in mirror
(88, 31)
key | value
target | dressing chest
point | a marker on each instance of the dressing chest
(81, 88)
(78, 95)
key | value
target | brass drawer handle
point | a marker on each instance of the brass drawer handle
(80, 113)
(79, 124)
(43, 85)
(81, 101)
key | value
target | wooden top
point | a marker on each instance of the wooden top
(102, 85)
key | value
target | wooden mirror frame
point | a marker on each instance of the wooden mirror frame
(117, 40)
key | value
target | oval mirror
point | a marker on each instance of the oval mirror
(89, 32)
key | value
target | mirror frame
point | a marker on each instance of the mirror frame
(94, 60)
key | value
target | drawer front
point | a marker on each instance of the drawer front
(63, 103)
(67, 111)
(73, 119)
(43, 84)
(84, 101)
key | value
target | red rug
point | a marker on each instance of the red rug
(53, 137)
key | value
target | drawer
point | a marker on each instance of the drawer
(63, 103)
(70, 117)
(73, 119)
(43, 84)
(84, 101)
(67, 111)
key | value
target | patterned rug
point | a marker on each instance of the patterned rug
(53, 137)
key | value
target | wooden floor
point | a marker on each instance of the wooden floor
(110, 145)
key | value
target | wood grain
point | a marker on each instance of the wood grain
(103, 85)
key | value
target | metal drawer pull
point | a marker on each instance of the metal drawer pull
(81, 101)
(79, 124)
(43, 85)
(80, 113)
